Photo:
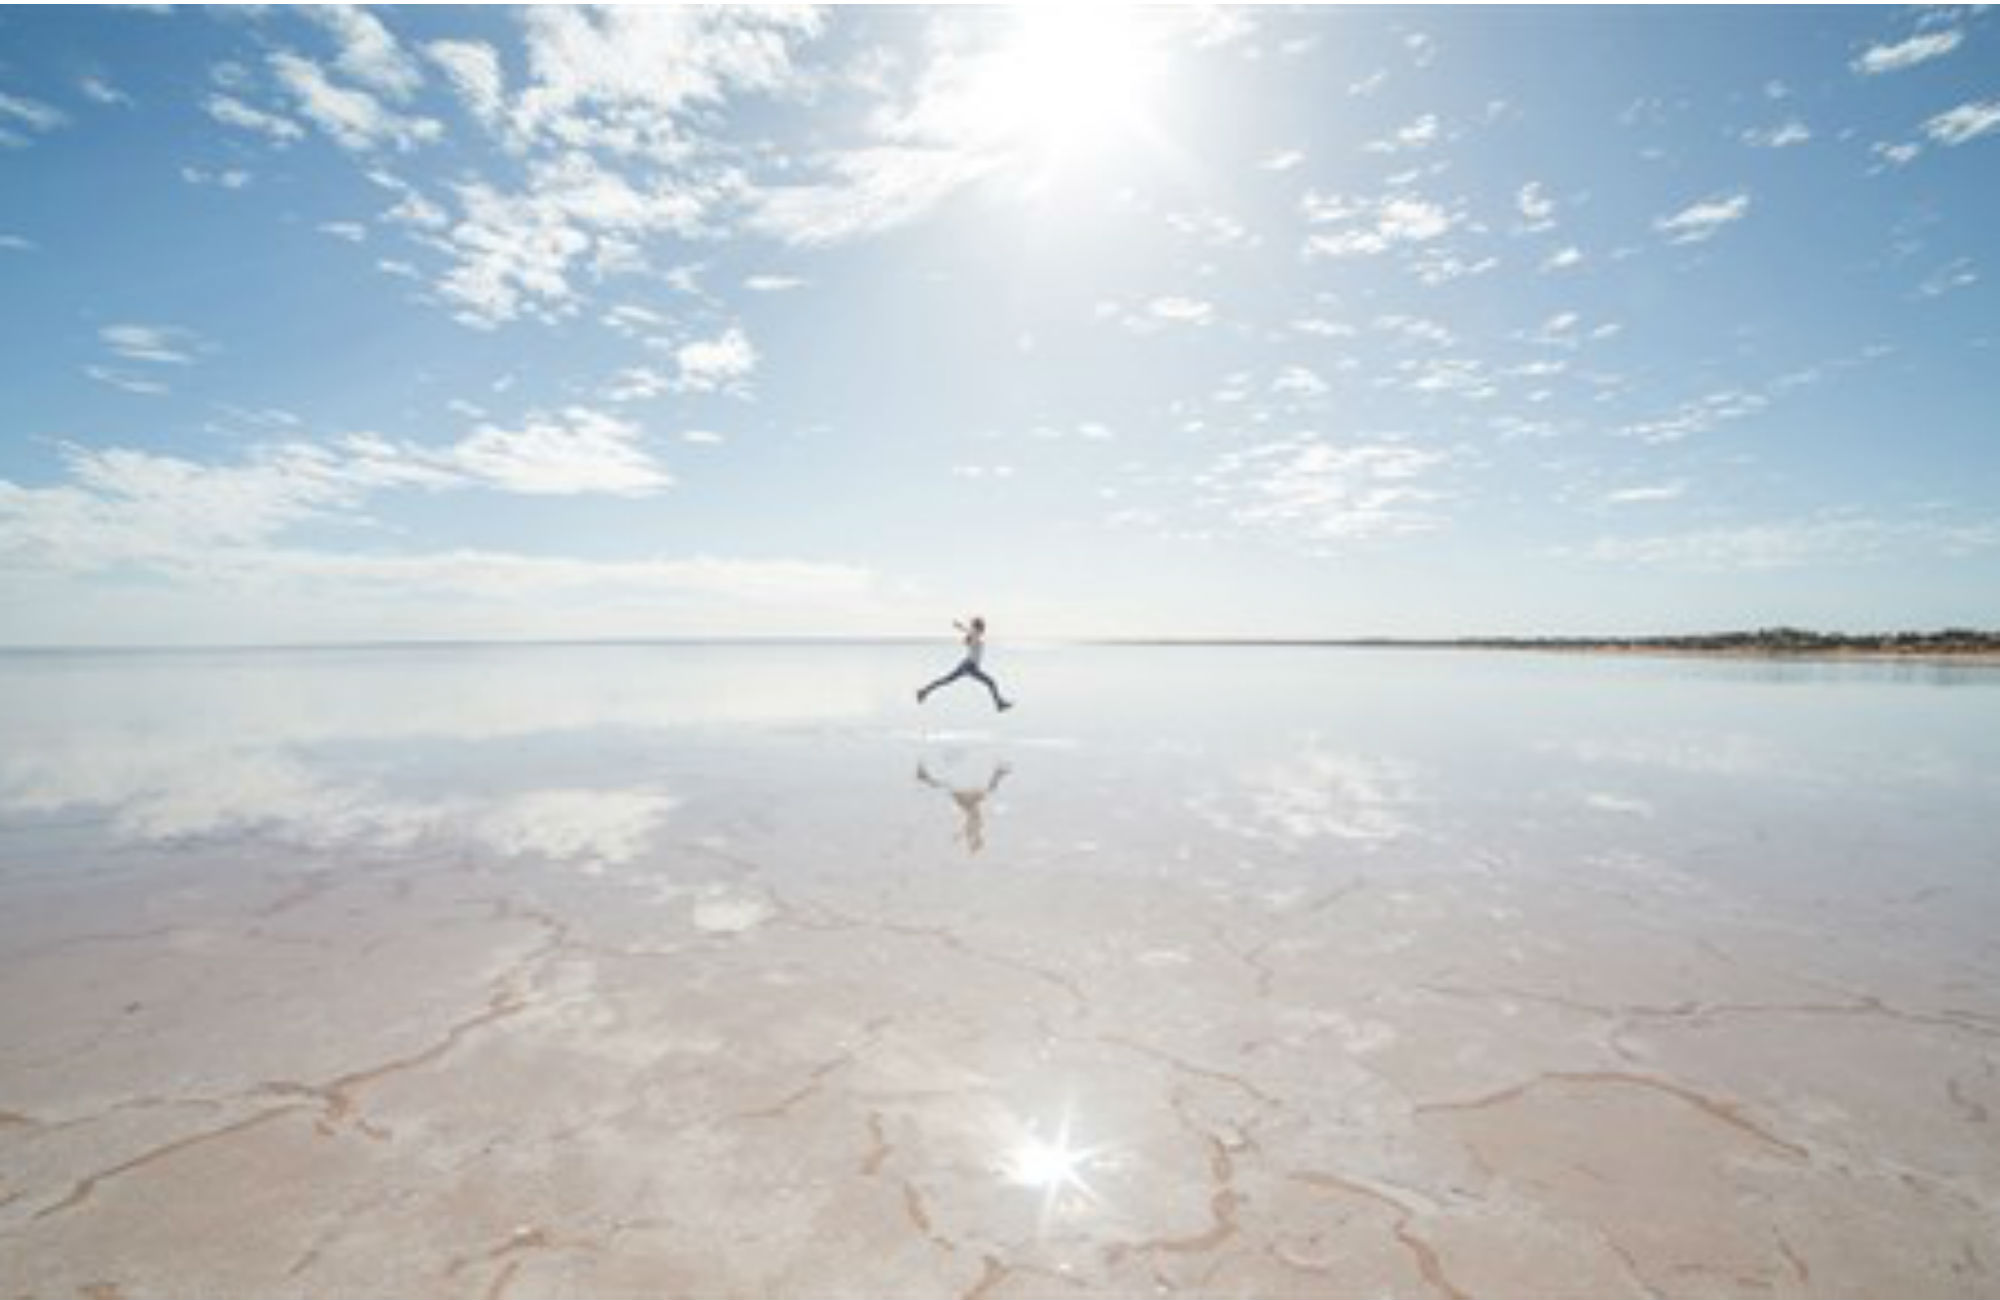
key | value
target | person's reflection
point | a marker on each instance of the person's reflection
(969, 802)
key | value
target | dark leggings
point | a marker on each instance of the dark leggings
(967, 668)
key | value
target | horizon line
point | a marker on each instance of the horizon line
(1464, 640)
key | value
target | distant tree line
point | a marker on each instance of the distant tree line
(1770, 640)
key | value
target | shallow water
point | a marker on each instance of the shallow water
(646, 970)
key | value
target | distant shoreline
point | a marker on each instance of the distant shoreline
(1913, 648)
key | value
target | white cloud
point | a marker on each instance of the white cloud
(1317, 492)
(1700, 221)
(219, 526)
(1418, 134)
(632, 320)
(1968, 121)
(155, 343)
(1896, 155)
(352, 231)
(1698, 416)
(30, 115)
(1955, 274)
(574, 451)
(411, 209)
(354, 118)
(1783, 136)
(1181, 311)
(719, 364)
(474, 71)
(1283, 160)
(1300, 381)
(368, 52)
(100, 91)
(1416, 329)
(1650, 492)
(1436, 266)
(772, 283)
(1537, 209)
(1563, 259)
(233, 178)
(619, 78)
(866, 191)
(231, 111)
(18, 244)
(1907, 54)
(129, 383)
(515, 253)
(1372, 227)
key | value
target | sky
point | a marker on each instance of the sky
(337, 324)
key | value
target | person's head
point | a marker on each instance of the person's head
(978, 623)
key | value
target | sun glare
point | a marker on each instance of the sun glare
(1070, 80)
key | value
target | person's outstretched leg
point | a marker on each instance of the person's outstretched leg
(945, 680)
(998, 702)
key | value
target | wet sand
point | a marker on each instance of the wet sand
(538, 979)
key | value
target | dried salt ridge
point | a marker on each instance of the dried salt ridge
(630, 971)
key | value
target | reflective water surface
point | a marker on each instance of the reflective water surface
(730, 970)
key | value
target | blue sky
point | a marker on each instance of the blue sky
(331, 324)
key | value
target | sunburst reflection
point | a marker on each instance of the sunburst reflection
(1057, 1166)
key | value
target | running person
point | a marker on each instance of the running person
(975, 646)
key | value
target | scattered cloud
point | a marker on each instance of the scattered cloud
(473, 68)
(1318, 492)
(354, 118)
(205, 524)
(1955, 274)
(1181, 311)
(19, 113)
(100, 91)
(574, 451)
(1782, 136)
(1922, 48)
(1968, 121)
(231, 111)
(1650, 492)
(126, 382)
(1896, 155)
(351, 231)
(368, 52)
(1420, 133)
(721, 364)
(1283, 160)
(230, 178)
(1563, 259)
(1698, 416)
(516, 253)
(864, 192)
(1699, 222)
(18, 244)
(1537, 209)
(621, 79)
(154, 343)
(772, 283)
(1365, 228)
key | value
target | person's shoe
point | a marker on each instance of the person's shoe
(1006, 705)
(920, 697)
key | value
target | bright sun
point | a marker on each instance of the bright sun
(1067, 80)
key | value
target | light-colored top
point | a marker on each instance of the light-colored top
(975, 645)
